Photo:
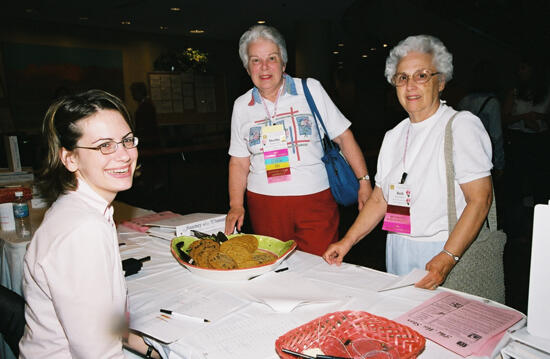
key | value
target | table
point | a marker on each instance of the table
(250, 330)
(12, 251)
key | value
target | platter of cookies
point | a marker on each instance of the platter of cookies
(235, 257)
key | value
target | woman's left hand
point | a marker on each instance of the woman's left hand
(438, 268)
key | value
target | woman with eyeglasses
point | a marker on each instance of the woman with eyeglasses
(411, 189)
(73, 283)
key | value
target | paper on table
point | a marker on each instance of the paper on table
(165, 328)
(459, 324)
(285, 291)
(408, 279)
(211, 304)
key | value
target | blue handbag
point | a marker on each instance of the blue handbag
(343, 182)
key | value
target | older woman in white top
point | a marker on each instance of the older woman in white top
(73, 281)
(411, 163)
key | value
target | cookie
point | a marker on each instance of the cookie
(200, 245)
(219, 260)
(237, 251)
(264, 257)
(202, 255)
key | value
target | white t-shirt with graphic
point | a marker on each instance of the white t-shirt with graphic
(307, 171)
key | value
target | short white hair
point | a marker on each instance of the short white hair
(261, 32)
(442, 58)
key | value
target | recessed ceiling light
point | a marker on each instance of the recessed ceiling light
(196, 31)
(261, 21)
(175, 9)
(364, 55)
(336, 52)
(385, 45)
(373, 49)
(164, 27)
(125, 22)
(340, 45)
(340, 62)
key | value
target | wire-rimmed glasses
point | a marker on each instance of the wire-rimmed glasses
(109, 147)
(419, 77)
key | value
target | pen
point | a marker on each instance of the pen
(184, 316)
(276, 271)
(144, 259)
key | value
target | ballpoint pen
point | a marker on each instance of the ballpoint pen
(276, 271)
(183, 316)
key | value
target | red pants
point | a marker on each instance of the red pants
(310, 220)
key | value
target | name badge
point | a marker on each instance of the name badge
(277, 165)
(398, 215)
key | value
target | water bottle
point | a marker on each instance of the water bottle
(21, 214)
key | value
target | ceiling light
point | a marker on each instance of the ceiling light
(125, 22)
(335, 52)
(364, 55)
(373, 49)
(196, 31)
(340, 45)
(164, 27)
(385, 45)
(261, 21)
(175, 9)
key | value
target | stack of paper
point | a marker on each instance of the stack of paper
(168, 225)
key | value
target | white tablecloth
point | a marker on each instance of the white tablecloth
(250, 331)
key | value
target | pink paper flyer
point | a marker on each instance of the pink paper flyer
(459, 324)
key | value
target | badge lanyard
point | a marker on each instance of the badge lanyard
(269, 117)
(274, 146)
(398, 214)
(404, 175)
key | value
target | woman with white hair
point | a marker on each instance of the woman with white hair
(276, 151)
(411, 187)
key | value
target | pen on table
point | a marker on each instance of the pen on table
(184, 316)
(145, 259)
(276, 271)
(121, 244)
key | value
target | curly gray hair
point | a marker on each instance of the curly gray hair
(261, 32)
(442, 58)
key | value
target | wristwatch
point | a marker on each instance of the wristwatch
(365, 177)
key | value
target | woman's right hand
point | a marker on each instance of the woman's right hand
(336, 251)
(235, 218)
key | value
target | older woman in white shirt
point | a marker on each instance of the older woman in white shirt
(412, 158)
(73, 281)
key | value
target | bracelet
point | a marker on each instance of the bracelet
(456, 258)
(150, 349)
(365, 177)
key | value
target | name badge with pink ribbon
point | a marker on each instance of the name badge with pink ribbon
(398, 215)
(277, 165)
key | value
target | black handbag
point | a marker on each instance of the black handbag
(343, 182)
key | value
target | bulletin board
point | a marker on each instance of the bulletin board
(188, 97)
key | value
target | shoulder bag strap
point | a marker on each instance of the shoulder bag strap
(450, 172)
(316, 115)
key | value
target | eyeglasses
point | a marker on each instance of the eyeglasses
(109, 147)
(419, 77)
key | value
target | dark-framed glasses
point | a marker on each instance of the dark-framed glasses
(111, 146)
(419, 77)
